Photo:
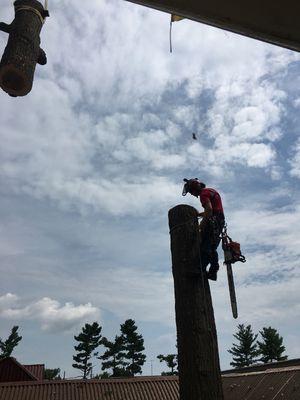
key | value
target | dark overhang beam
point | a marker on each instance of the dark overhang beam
(271, 21)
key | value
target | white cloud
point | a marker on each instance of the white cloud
(48, 312)
(7, 300)
(107, 130)
(101, 111)
(295, 160)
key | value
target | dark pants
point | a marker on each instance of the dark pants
(211, 237)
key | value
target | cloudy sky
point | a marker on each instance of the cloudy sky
(93, 158)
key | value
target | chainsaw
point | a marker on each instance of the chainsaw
(232, 254)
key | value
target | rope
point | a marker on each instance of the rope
(34, 10)
(184, 223)
(171, 36)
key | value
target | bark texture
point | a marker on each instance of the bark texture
(23, 48)
(198, 357)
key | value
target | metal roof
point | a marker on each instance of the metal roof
(37, 370)
(12, 371)
(263, 367)
(272, 21)
(140, 388)
(266, 385)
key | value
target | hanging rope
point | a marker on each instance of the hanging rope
(174, 18)
(171, 35)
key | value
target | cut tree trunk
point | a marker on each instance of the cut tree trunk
(23, 51)
(198, 358)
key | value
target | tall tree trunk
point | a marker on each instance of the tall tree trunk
(23, 51)
(198, 358)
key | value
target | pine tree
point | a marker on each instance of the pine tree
(271, 347)
(7, 346)
(133, 347)
(245, 351)
(51, 374)
(172, 362)
(113, 357)
(89, 339)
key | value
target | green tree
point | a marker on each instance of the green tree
(271, 347)
(133, 347)
(51, 374)
(171, 361)
(245, 352)
(7, 346)
(113, 357)
(89, 339)
(104, 375)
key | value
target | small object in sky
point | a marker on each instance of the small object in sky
(23, 51)
(194, 136)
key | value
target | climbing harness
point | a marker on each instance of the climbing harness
(232, 250)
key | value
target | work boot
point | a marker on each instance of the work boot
(213, 272)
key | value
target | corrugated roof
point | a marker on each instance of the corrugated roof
(263, 367)
(141, 388)
(12, 371)
(36, 370)
(270, 385)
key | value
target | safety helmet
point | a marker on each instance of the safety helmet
(192, 185)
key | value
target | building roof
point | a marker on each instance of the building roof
(272, 21)
(12, 371)
(139, 388)
(37, 370)
(263, 367)
(273, 384)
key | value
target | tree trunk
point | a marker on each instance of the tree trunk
(23, 48)
(198, 358)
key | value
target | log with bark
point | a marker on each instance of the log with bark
(198, 357)
(23, 51)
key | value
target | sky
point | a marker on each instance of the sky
(93, 158)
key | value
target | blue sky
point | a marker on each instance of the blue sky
(93, 158)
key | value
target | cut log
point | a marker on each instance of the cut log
(198, 357)
(23, 47)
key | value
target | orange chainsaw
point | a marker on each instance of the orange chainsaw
(232, 254)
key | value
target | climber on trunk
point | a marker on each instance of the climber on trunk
(212, 223)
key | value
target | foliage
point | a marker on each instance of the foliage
(89, 339)
(172, 361)
(51, 374)
(271, 347)
(7, 346)
(113, 357)
(245, 352)
(104, 375)
(133, 347)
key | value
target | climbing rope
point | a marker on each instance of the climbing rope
(184, 223)
(42, 16)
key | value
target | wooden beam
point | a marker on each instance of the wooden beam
(23, 51)
(271, 21)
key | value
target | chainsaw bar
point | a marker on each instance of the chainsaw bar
(232, 291)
